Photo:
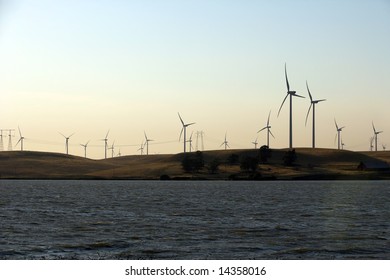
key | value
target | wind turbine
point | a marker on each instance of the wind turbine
(339, 129)
(184, 128)
(225, 143)
(372, 143)
(255, 143)
(147, 140)
(268, 127)
(141, 148)
(85, 148)
(66, 141)
(312, 103)
(190, 141)
(376, 136)
(290, 93)
(112, 149)
(384, 147)
(21, 139)
(105, 144)
(342, 144)
(1, 140)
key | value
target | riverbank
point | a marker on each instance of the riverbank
(310, 164)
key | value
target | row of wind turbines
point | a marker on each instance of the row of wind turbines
(183, 132)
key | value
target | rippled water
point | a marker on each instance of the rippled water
(194, 220)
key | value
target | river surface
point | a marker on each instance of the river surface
(42, 219)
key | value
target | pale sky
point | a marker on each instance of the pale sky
(89, 66)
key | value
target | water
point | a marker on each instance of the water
(194, 220)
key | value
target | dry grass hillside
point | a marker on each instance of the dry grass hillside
(309, 164)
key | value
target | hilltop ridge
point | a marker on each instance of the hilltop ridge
(310, 164)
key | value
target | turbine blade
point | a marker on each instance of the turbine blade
(311, 99)
(182, 122)
(20, 133)
(62, 134)
(269, 114)
(282, 104)
(337, 127)
(71, 135)
(307, 115)
(262, 129)
(271, 134)
(18, 142)
(285, 72)
(189, 124)
(297, 95)
(373, 127)
(107, 134)
(320, 100)
(181, 132)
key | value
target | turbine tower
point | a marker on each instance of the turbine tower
(105, 144)
(21, 139)
(147, 140)
(312, 103)
(376, 136)
(10, 139)
(225, 143)
(339, 129)
(290, 93)
(184, 128)
(85, 148)
(66, 141)
(268, 127)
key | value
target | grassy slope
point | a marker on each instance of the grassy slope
(310, 164)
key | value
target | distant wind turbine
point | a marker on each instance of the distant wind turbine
(112, 149)
(312, 103)
(384, 147)
(372, 143)
(66, 141)
(268, 127)
(21, 139)
(339, 129)
(147, 140)
(1, 140)
(184, 128)
(190, 141)
(291, 94)
(105, 144)
(85, 148)
(342, 144)
(225, 143)
(376, 136)
(255, 143)
(141, 148)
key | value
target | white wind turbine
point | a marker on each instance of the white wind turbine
(112, 149)
(105, 144)
(67, 142)
(372, 143)
(384, 147)
(312, 103)
(21, 139)
(255, 143)
(184, 128)
(225, 143)
(291, 94)
(339, 129)
(268, 127)
(147, 140)
(376, 136)
(141, 148)
(85, 148)
(190, 141)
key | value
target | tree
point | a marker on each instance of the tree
(265, 153)
(289, 157)
(249, 163)
(193, 162)
(213, 165)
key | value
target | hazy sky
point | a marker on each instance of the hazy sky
(87, 66)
